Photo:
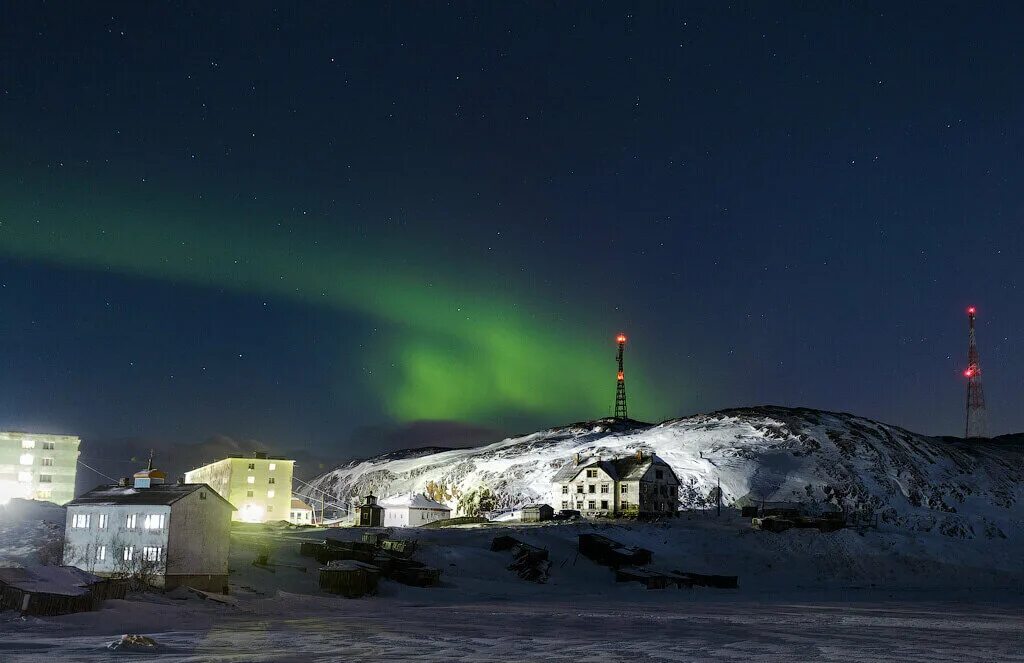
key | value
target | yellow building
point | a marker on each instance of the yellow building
(38, 467)
(260, 487)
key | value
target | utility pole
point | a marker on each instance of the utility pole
(719, 497)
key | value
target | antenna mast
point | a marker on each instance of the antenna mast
(975, 424)
(620, 382)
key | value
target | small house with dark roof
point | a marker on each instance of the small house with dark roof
(641, 484)
(369, 513)
(163, 534)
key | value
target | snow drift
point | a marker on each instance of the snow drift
(760, 454)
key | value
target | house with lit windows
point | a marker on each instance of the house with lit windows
(259, 487)
(35, 466)
(166, 534)
(639, 485)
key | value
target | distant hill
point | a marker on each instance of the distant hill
(774, 454)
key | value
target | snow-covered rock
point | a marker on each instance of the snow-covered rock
(760, 454)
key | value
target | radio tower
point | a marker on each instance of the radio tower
(620, 382)
(975, 426)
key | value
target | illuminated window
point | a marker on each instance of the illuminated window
(270, 493)
(128, 552)
(45, 478)
(26, 459)
(250, 479)
(28, 444)
(153, 521)
(102, 524)
(80, 521)
(101, 553)
(273, 466)
(47, 462)
(43, 494)
(130, 521)
(25, 477)
(152, 553)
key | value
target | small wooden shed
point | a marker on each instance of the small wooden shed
(370, 514)
(535, 513)
(55, 590)
(349, 578)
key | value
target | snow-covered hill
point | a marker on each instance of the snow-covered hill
(771, 454)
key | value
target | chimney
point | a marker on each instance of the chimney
(123, 482)
(577, 458)
(639, 455)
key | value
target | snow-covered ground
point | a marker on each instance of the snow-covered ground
(879, 595)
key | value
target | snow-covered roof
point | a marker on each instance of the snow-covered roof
(619, 469)
(62, 580)
(159, 494)
(413, 501)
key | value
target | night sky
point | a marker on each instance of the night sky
(347, 227)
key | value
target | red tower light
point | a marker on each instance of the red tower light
(621, 338)
(971, 310)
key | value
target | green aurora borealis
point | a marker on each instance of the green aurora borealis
(453, 343)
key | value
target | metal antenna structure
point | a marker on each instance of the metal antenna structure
(975, 420)
(620, 381)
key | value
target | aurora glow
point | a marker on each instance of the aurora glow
(458, 350)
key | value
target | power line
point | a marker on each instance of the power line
(89, 467)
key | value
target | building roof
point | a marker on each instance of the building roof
(413, 501)
(539, 505)
(626, 468)
(159, 494)
(62, 580)
(299, 504)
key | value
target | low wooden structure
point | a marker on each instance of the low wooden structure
(55, 590)
(529, 561)
(349, 578)
(390, 557)
(611, 553)
(829, 522)
(535, 513)
(704, 580)
(650, 578)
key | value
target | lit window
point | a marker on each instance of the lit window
(270, 493)
(250, 479)
(26, 459)
(273, 466)
(101, 553)
(128, 552)
(47, 462)
(43, 494)
(80, 521)
(152, 553)
(28, 444)
(154, 521)
(130, 521)
(25, 477)
(45, 478)
(271, 480)
(102, 524)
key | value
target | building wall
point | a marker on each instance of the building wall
(659, 491)
(81, 544)
(39, 467)
(404, 516)
(199, 536)
(591, 501)
(300, 516)
(245, 483)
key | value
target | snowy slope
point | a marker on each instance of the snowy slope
(770, 454)
(30, 532)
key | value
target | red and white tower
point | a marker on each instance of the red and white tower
(620, 382)
(975, 425)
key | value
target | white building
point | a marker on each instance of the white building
(639, 485)
(259, 487)
(412, 511)
(38, 467)
(165, 534)
(300, 513)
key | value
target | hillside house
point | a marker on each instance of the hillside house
(640, 485)
(259, 487)
(412, 511)
(164, 534)
(300, 513)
